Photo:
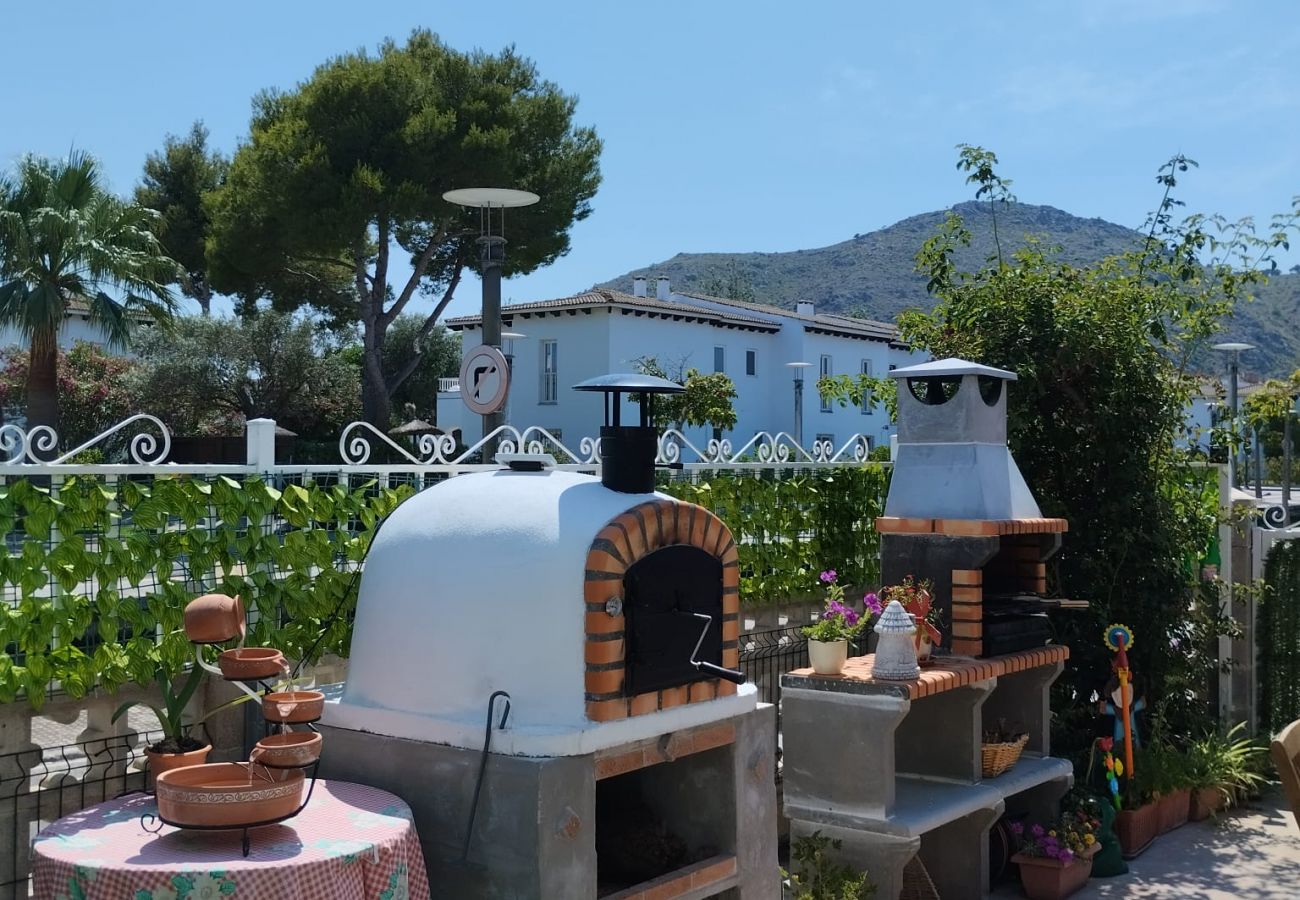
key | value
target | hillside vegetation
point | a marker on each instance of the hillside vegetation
(871, 274)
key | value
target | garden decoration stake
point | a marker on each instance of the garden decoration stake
(1119, 638)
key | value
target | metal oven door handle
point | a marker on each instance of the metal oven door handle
(717, 671)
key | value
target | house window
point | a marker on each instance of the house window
(719, 359)
(826, 438)
(751, 362)
(547, 391)
(866, 370)
(826, 371)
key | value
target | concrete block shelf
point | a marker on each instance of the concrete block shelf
(893, 768)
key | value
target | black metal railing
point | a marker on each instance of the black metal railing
(42, 784)
(764, 657)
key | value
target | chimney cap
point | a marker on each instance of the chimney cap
(950, 366)
(620, 382)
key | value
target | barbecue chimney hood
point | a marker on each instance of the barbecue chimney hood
(952, 460)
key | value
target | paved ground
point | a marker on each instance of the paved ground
(1253, 854)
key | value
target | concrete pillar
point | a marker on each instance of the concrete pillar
(260, 444)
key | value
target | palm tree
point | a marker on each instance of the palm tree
(64, 239)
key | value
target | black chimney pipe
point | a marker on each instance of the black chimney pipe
(627, 452)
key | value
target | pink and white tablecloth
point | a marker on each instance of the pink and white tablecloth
(352, 842)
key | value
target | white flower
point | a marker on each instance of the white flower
(206, 887)
(163, 893)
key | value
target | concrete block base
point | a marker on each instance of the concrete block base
(535, 828)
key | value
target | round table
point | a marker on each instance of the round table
(352, 841)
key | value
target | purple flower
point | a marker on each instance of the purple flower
(1174, 643)
(828, 576)
(1017, 829)
(1036, 831)
(872, 603)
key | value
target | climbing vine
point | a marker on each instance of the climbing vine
(1279, 638)
(96, 574)
(791, 525)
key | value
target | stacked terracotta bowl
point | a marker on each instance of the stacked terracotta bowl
(272, 785)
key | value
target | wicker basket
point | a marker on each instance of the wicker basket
(997, 758)
(916, 882)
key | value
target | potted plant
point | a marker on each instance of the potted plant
(918, 601)
(828, 639)
(1222, 766)
(177, 748)
(1055, 861)
(1171, 784)
(817, 876)
(1137, 810)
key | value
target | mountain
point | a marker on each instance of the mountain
(871, 274)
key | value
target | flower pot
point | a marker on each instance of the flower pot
(1051, 879)
(165, 762)
(1206, 802)
(227, 795)
(1174, 808)
(251, 663)
(214, 618)
(1137, 828)
(293, 706)
(828, 657)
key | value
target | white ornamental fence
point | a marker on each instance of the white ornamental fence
(147, 444)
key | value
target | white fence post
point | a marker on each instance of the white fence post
(260, 439)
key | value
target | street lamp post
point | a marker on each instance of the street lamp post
(797, 368)
(492, 255)
(1234, 367)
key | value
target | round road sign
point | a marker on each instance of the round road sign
(484, 380)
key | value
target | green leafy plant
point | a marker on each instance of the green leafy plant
(1228, 761)
(100, 572)
(171, 715)
(817, 876)
(786, 522)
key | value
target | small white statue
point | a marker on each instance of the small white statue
(896, 649)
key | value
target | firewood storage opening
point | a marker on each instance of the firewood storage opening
(666, 822)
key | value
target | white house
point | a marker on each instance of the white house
(77, 326)
(602, 331)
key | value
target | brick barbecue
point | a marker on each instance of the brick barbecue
(960, 514)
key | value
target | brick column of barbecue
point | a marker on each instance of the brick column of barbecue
(628, 537)
(967, 612)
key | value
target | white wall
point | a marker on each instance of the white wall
(75, 328)
(605, 341)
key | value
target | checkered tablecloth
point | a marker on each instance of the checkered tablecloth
(352, 842)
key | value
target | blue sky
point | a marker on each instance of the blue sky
(736, 126)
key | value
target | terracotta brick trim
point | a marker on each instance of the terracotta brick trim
(625, 539)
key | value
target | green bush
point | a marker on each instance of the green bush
(98, 574)
(791, 525)
(1279, 637)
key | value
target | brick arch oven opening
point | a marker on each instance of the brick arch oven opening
(652, 572)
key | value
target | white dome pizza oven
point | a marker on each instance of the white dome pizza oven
(628, 755)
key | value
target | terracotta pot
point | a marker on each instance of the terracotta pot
(1137, 828)
(1050, 879)
(166, 762)
(828, 657)
(247, 663)
(293, 706)
(293, 748)
(229, 794)
(214, 618)
(1174, 809)
(1206, 802)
